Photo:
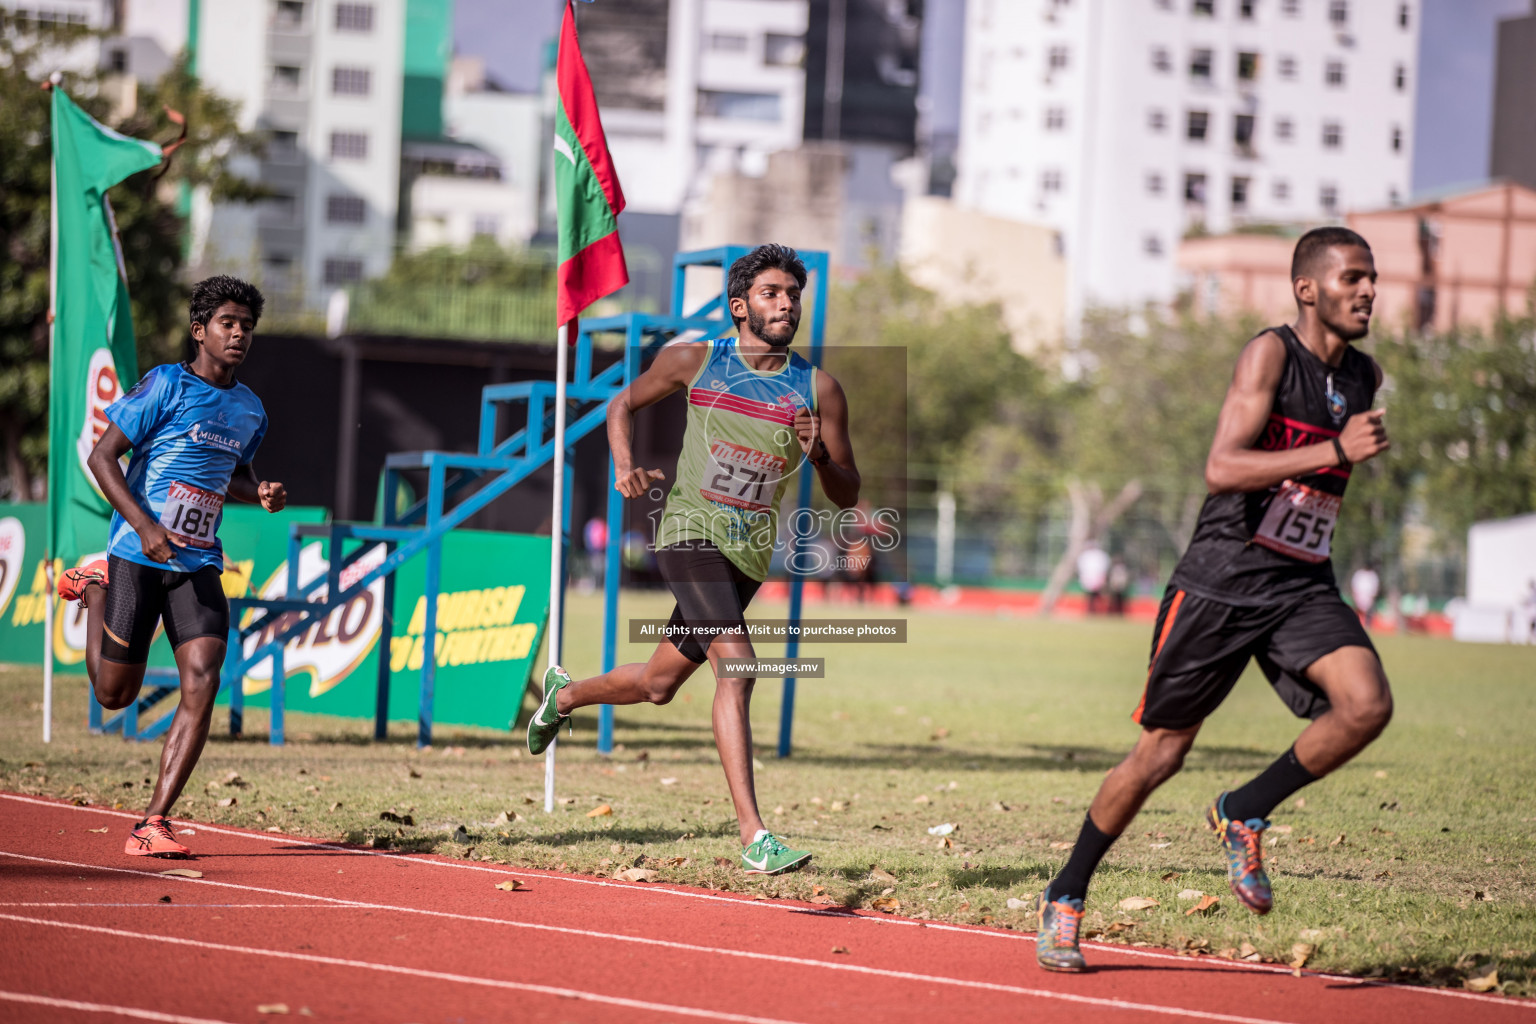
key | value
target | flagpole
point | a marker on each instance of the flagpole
(557, 542)
(53, 288)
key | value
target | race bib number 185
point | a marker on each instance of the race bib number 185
(1299, 522)
(740, 476)
(191, 513)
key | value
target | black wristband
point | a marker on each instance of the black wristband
(1338, 448)
(826, 456)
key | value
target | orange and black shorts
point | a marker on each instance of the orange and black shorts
(1201, 647)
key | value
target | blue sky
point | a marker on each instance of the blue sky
(1455, 86)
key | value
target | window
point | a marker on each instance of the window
(727, 42)
(1397, 139)
(286, 79)
(1055, 119)
(288, 14)
(1291, 8)
(1246, 9)
(1240, 193)
(1050, 181)
(1333, 135)
(1402, 15)
(284, 145)
(1400, 78)
(1194, 188)
(1203, 8)
(1200, 65)
(1058, 58)
(1196, 124)
(783, 51)
(1281, 190)
(1160, 59)
(1247, 67)
(280, 208)
(1285, 129)
(1287, 68)
(354, 17)
(1328, 197)
(351, 81)
(487, 224)
(1334, 75)
(1338, 13)
(1157, 120)
(343, 271)
(739, 106)
(1152, 245)
(1154, 183)
(117, 61)
(345, 210)
(349, 146)
(1393, 197)
(1242, 132)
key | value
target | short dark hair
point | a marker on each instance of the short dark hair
(772, 256)
(1311, 247)
(211, 293)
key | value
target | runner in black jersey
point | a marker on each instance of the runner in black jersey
(1256, 582)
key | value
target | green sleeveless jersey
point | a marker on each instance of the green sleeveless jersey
(739, 454)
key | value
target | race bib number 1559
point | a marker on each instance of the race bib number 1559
(1299, 522)
(192, 513)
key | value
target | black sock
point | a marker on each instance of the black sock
(1264, 793)
(1090, 848)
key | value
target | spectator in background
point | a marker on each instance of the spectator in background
(1528, 613)
(1364, 585)
(1092, 574)
(1119, 586)
(594, 537)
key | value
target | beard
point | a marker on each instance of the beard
(758, 324)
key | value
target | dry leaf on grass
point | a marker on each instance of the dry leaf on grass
(183, 873)
(940, 733)
(1169, 876)
(723, 862)
(825, 901)
(1061, 846)
(1484, 979)
(1280, 830)
(600, 811)
(510, 885)
(1190, 894)
(1301, 952)
(98, 830)
(228, 801)
(1162, 846)
(886, 904)
(923, 799)
(1205, 906)
(636, 875)
(1339, 841)
(1247, 952)
(882, 875)
(1027, 903)
(1138, 903)
(507, 818)
(669, 782)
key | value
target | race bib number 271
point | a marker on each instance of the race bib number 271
(1299, 522)
(743, 477)
(192, 513)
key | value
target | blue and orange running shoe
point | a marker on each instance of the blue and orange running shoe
(152, 838)
(1243, 843)
(72, 582)
(1056, 947)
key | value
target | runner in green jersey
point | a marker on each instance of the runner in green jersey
(758, 414)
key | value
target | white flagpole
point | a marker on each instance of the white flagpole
(53, 289)
(557, 542)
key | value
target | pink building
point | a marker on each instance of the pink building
(1454, 260)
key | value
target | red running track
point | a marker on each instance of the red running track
(361, 935)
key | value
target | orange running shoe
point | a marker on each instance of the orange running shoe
(152, 838)
(74, 581)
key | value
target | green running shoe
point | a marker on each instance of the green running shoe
(1056, 947)
(546, 721)
(768, 856)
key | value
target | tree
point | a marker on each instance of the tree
(145, 207)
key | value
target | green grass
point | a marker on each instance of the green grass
(1431, 880)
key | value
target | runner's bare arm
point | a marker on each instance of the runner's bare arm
(824, 439)
(1234, 465)
(670, 371)
(156, 541)
(245, 486)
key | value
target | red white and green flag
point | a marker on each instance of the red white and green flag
(587, 194)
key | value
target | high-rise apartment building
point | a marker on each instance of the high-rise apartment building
(1128, 124)
(1513, 153)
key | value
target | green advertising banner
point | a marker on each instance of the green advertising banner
(492, 608)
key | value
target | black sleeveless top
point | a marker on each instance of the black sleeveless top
(1241, 554)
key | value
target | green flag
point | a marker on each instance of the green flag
(93, 346)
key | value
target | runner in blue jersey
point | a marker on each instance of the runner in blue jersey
(193, 430)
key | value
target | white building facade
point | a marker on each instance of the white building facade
(1127, 124)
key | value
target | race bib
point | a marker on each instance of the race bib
(1299, 522)
(191, 513)
(743, 477)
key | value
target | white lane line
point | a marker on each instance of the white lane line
(191, 906)
(121, 1011)
(415, 972)
(687, 947)
(1116, 950)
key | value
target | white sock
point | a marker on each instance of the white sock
(758, 835)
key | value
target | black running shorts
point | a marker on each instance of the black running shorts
(1200, 647)
(139, 596)
(712, 596)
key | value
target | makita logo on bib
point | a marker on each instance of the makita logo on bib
(205, 434)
